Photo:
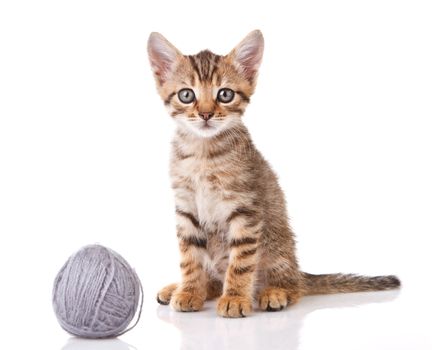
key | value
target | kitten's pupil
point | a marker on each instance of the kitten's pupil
(225, 95)
(186, 95)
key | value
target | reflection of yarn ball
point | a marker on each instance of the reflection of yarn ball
(96, 293)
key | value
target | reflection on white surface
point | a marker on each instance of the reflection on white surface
(264, 330)
(96, 344)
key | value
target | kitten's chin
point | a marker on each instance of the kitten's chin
(204, 132)
(201, 131)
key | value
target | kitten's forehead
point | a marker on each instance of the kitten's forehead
(204, 65)
(207, 69)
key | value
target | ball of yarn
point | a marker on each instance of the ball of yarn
(96, 293)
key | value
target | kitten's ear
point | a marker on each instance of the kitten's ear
(248, 54)
(163, 56)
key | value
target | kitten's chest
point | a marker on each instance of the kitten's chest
(208, 192)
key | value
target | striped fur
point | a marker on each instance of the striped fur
(234, 236)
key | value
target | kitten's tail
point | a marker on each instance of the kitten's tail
(347, 283)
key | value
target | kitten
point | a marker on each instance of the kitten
(234, 237)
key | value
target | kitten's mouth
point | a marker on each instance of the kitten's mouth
(206, 125)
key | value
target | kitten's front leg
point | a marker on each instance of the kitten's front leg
(245, 231)
(192, 291)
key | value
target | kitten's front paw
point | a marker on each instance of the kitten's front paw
(234, 306)
(185, 301)
(164, 295)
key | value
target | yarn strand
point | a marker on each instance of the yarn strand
(139, 312)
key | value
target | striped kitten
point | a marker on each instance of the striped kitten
(234, 237)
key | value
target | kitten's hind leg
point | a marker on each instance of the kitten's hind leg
(164, 295)
(283, 286)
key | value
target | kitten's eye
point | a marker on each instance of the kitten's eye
(225, 95)
(186, 95)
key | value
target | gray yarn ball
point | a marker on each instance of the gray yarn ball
(96, 293)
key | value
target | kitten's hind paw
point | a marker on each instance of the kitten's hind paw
(185, 301)
(164, 295)
(276, 299)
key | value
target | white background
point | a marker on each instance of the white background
(342, 111)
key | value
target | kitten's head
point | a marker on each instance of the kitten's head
(206, 93)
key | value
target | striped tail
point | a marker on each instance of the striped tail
(347, 283)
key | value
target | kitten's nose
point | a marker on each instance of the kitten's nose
(206, 115)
